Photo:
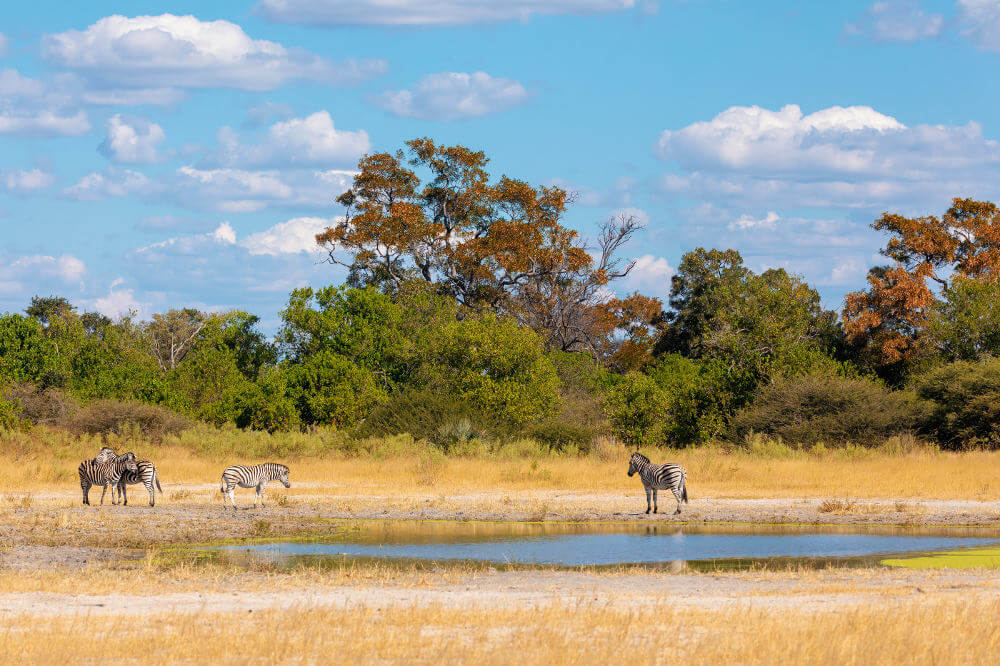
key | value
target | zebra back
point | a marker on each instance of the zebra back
(246, 476)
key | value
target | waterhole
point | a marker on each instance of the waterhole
(572, 545)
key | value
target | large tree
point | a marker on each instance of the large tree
(495, 245)
(891, 316)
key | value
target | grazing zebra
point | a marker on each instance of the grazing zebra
(146, 475)
(251, 476)
(659, 477)
(105, 474)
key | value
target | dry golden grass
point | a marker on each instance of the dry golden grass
(46, 460)
(938, 632)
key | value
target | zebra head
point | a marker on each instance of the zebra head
(283, 476)
(129, 460)
(637, 462)
(106, 455)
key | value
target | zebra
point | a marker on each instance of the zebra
(146, 475)
(659, 477)
(104, 474)
(249, 476)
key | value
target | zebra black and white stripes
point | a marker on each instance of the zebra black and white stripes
(146, 474)
(659, 477)
(251, 476)
(104, 474)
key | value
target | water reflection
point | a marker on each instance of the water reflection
(588, 544)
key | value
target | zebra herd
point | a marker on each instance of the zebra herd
(109, 469)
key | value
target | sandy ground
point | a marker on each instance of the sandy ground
(53, 532)
(823, 590)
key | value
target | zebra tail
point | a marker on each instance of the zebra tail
(684, 489)
(222, 484)
(156, 477)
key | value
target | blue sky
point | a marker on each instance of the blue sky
(155, 155)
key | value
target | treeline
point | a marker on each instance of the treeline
(471, 314)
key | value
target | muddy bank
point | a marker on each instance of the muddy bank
(57, 520)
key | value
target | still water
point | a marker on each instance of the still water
(595, 545)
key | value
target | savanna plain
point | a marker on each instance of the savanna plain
(125, 583)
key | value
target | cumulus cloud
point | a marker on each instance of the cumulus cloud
(224, 190)
(134, 141)
(651, 276)
(109, 184)
(836, 157)
(422, 13)
(19, 181)
(454, 95)
(295, 236)
(179, 52)
(896, 21)
(746, 222)
(29, 107)
(66, 268)
(118, 302)
(309, 141)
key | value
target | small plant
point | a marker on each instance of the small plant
(260, 528)
(430, 464)
(178, 495)
(283, 501)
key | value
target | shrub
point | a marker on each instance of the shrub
(965, 399)
(562, 436)
(425, 414)
(38, 405)
(809, 410)
(105, 417)
(329, 389)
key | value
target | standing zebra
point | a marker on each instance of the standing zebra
(146, 475)
(251, 476)
(104, 474)
(659, 477)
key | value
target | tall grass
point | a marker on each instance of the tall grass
(761, 467)
(932, 632)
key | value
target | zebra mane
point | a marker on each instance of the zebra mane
(640, 457)
(126, 456)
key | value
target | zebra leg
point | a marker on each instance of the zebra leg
(263, 485)
(123, 493)
(152, 498)
(655, 508)
(677, 496)
(648, 507)
(85, 487)
(104, 489)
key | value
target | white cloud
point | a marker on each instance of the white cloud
(134, 141)
(224, 234)
(66, 267)
(896, 21)
(4, 45)
(422, 12)
(295, 236)
(118, 302)
(170, 51)
(836, 157)
(221, 190)
(309, 141)
(454, 95)
(650, 276)
(20, 181)
(43, 123)
(746, 222)
(29, 107)
(112, 183)
(980, 20)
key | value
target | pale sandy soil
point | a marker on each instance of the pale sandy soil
(814, 591)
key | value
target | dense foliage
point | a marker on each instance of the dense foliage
(472, 315)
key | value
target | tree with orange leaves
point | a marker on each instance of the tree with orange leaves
(491, 245)
(888, 319)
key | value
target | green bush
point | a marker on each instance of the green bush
(965, 399)
(329, 389)
(38, 405)
(425, 414)
(562, 436)
(808, 410)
